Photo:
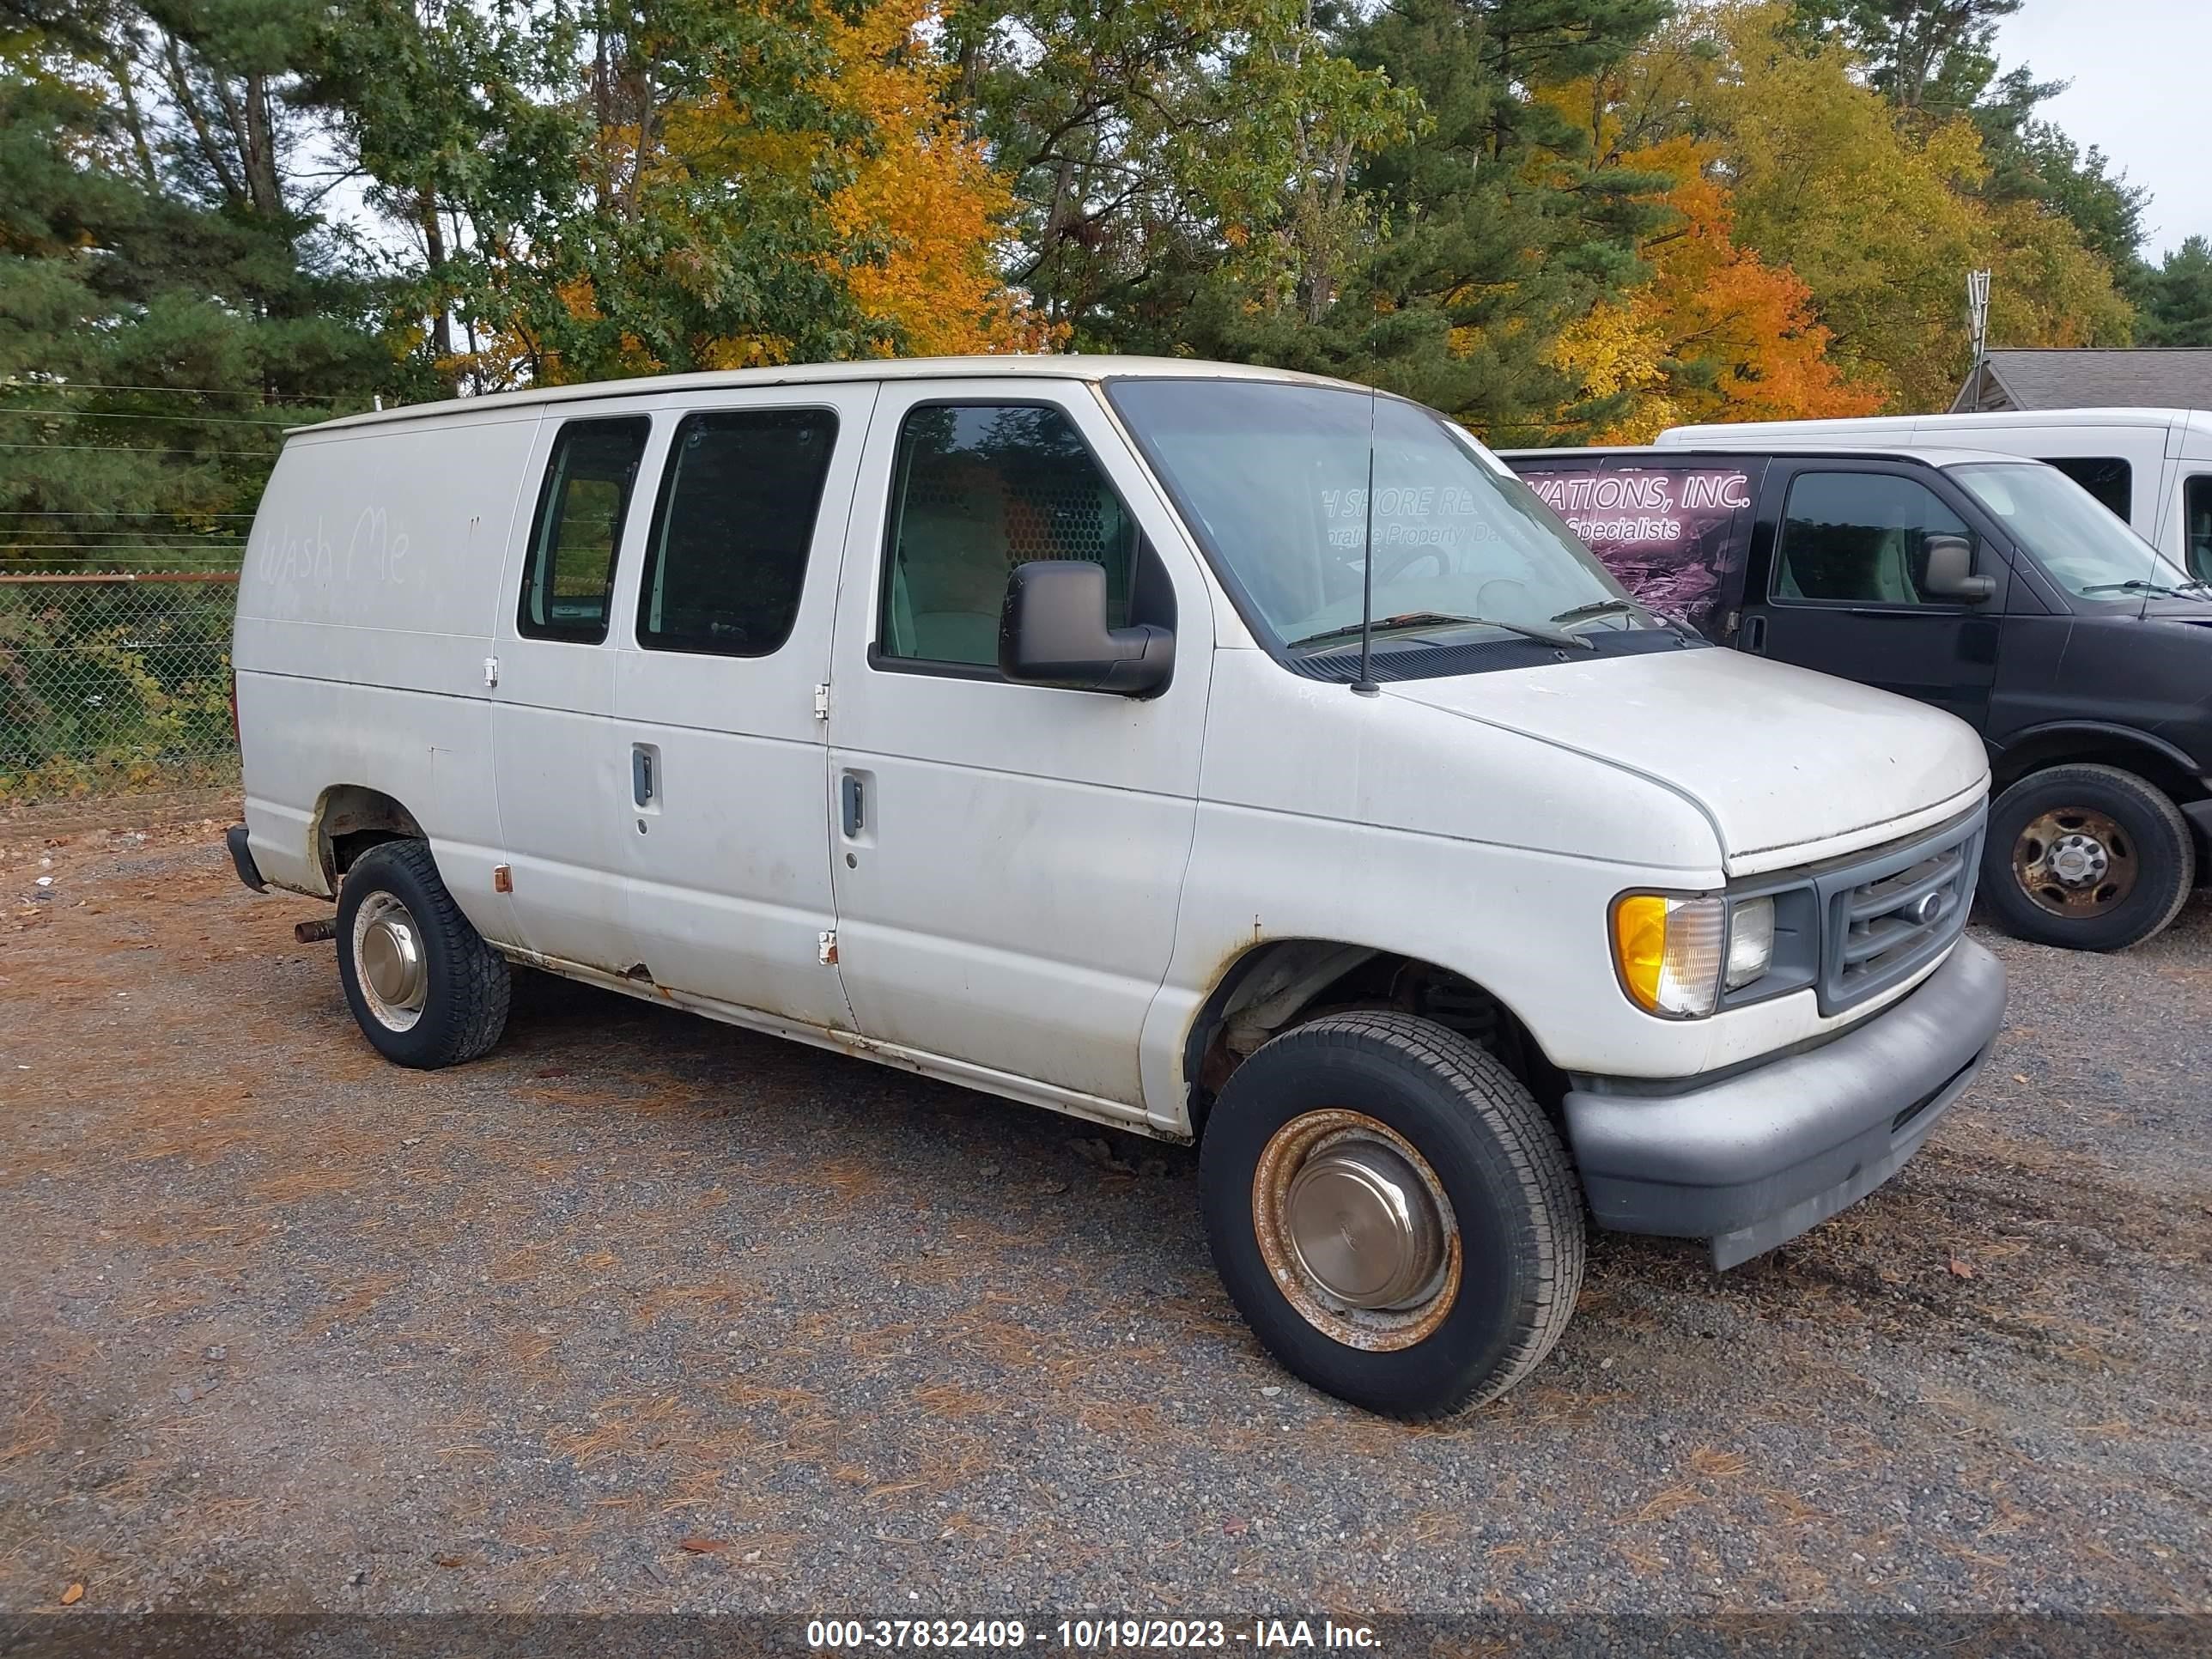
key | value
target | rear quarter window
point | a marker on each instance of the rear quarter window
(574, 540)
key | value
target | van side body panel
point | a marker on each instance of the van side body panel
(1675, 531)
(365, 614)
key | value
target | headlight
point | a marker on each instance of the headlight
(1677, 955)
(1668, 952)
(1750, 942)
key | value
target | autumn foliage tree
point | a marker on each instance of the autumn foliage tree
(1879, 217)
(798, 192)
(1547, 219)
(631, 186)
(1717, 333)
(922, 207)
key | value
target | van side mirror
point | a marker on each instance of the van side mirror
(1053, 631)
(1951, 571)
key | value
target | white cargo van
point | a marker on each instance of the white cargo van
(2151, 466)
(1009, 720)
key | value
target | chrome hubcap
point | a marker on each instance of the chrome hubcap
(1363, 1226)
(2078, 860)
(2074, 862)
(1356, 1230)
(387, 954)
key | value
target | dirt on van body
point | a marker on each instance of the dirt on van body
(646, 1313)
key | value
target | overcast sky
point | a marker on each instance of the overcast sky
(2139, 94)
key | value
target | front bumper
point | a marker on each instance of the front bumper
(1762, 1154)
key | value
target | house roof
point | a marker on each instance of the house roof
(2166, 377)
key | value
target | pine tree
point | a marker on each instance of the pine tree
(1504, 227)
(1931, 56)
(164, 306)
(2177, 298)
(1380, 197)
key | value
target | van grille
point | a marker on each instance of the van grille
(1891, 915)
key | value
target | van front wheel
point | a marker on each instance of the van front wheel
(1392, 1214)
(2086, 858)
(421, 982)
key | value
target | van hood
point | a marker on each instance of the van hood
(1789, 766)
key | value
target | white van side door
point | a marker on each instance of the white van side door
(560, 766)
(722, 651)
(1008, 858)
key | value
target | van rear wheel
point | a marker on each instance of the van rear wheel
(1392, 1214)
(424, 987)
(2086, 858)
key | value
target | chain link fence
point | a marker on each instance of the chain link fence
(115, 682)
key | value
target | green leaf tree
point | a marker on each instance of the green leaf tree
(2177, 298)
(167, 297)
(1935, 61)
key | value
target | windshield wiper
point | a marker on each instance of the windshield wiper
(1442, 619)
(2137, 584)
(1600, 608)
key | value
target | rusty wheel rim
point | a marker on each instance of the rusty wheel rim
(2074, 862)
(1356, 1230)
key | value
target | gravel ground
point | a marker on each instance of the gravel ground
(642, 1313)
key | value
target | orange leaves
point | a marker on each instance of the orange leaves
(922, 193)
(811, 191)
(1717, 333)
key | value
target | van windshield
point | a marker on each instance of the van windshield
(1273, 478)
(2085, 549)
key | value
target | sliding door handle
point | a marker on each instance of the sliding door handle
(850, 803)
(641, 780)
(1754, 634)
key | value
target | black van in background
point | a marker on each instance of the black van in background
(1990, 585)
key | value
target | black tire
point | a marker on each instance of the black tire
(1499, 1161)
(465, 987)
(2155, 838)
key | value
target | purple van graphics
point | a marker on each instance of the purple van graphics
(1665, 534)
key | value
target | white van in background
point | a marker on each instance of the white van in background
(2152, 466)
(1008, 721)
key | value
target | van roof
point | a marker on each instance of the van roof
(1064, 366)
(1877, 425)
(1811, 444)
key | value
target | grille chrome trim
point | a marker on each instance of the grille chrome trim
(1872, 938)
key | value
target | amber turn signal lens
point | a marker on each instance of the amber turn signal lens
(1639, 946)
(1668, 952)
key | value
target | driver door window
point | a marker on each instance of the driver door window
(977, 489)
(1858, 538)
